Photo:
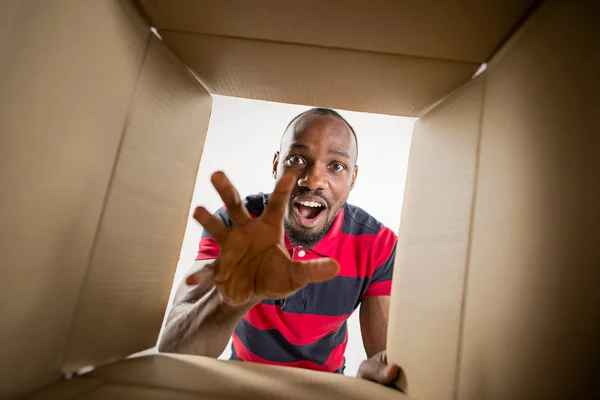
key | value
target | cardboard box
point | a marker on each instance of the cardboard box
(102, 126)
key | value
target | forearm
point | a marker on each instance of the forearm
(201, 325)
(374, 324)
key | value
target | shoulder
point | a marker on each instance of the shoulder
(359, 222)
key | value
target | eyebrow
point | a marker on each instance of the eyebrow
(299, 146)
(339, 153)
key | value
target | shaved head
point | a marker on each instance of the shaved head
(301, 122)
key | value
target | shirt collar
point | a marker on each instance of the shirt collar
(326, 246)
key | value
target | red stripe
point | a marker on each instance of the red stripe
(360, 255)
(208, 249)
(378, 289)
(333, 363)
(298, 329)
(355, 261)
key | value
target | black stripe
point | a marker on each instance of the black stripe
(336, 297)
(273, 346)
(359, 222)
(271, 302)
(385, 271)
(256, 203)
(234, 356)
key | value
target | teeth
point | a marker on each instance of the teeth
(309, 204)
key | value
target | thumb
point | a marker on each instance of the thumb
(313, 271)
(375, 370)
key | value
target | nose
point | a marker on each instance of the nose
(313, 178)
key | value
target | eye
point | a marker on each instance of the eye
(295, 160)
(338, 167)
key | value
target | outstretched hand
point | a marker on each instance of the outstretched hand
(253, 263)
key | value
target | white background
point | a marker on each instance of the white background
(242, 138)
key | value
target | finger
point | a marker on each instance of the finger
(213, 225)
(278, 201)
(313, 271)
(230, 196)
(375, 370)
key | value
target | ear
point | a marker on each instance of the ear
(275, 164)
(354, 174)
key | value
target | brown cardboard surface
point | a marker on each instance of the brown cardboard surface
(176, 376)
(372, 82)
(465, 30)
(67, 74)
(532, 304)
(133, 262)
(433, 242)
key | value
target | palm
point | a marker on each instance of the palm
(253, 263)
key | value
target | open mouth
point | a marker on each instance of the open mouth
(309, 211)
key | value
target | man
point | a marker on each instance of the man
(282, 273)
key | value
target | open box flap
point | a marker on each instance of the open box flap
(101, 133)
(132, 264)
(387, 57)
(433, 242)
(298, 74)
(169, 376)
(67, 75)
(431, 29)
(496, 280)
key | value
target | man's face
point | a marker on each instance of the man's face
(321, 151)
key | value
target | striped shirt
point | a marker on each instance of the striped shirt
(308, 329)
